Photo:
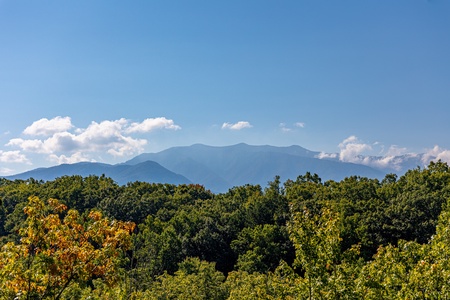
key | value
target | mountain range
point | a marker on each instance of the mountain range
(148, 171)
(217, 168)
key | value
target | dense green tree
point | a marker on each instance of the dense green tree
(261, 248)
(281, 284)
(413, 213)
(80, 193)
(306, 191)
(13, 198)
(156, 249)
(194, 279)
(135, 201)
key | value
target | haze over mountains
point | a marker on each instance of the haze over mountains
(221, 168)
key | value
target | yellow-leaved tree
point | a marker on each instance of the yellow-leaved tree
(55, 252)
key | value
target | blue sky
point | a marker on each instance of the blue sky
(107, 80)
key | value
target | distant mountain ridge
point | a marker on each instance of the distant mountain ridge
(220, 168)
(149, 171)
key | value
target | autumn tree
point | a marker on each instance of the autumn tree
(56, 252)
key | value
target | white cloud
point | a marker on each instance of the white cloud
(64, 143)
(151, 124)
(393, 162)
(236, 126)
(36, 146)
(444, 155)
(104, 136)
(351, 149)
(6, 171)
(394, 150)
(284, 128)
(108, 136)
(74, 158)
(48, 127)
(323, 155)
(435, 154)
(350, 139)
(126, 145)
(13, 157)
(355, 151)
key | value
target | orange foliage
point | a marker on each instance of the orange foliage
(54, 253)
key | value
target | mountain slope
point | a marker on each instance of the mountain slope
(220, 168)
(148, 171)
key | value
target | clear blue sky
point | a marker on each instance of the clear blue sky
(107, 80)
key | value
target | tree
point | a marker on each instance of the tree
(195, 279)
(317, 248)
(156, 249)
(281, 284)
(55, 253)
(410, 270)
(261, 248)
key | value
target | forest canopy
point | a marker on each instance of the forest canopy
(360, 238)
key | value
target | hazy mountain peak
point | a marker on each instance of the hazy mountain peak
(222, 167)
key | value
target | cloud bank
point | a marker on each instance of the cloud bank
(62, 142)
(353, 150)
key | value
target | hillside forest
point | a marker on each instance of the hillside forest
(360, 238)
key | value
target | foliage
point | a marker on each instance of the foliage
(283, 283)
(195, 279)
(326, 271)
(54, 253)
(358, 238)
(261, 248)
